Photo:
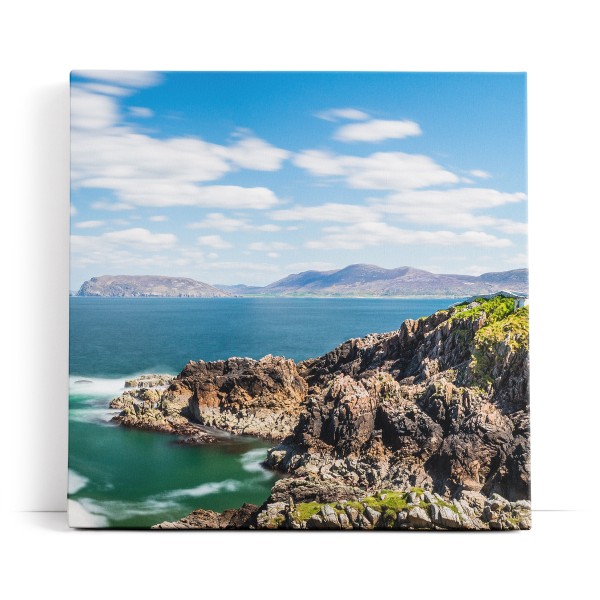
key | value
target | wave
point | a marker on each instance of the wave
(96, 386)
(76, 482)
(87, 385)
(205, 489)
(89, 512)
(119, 510)
(251, 462)
(79, 516)
(90, 414)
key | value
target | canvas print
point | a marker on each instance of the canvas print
(299, 301)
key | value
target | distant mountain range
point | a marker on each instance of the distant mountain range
(371, 280)
(149, 286)
(354, 280)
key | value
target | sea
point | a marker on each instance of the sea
(126, 478)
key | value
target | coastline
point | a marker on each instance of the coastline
(360, 461)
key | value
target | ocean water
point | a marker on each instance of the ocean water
(126, 478)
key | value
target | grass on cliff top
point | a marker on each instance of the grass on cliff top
(496, 309)
(513, 331)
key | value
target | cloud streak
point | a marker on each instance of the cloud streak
(377, 131)
(345, 114)
(376, 233)
(142, 170)
(378, 171)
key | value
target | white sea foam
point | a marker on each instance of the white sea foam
(96, 386)
(117, 510)
(205, 489)
(91, 414)
(251, 462)
(76, 481)
(79, 516)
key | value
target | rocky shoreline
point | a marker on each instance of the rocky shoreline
(426, 427)
(415, 509)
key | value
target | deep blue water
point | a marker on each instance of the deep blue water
(126, 478)
(120, 336)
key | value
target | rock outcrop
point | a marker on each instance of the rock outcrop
(440, 405)
(414, 509)
(241, 518)
(392, 509)
(244, 396)
(144, 404)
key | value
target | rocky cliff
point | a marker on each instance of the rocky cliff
(438, 408)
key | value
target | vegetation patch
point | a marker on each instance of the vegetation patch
(495, 309)
(306, 510)
(387, 501)
(493, 340)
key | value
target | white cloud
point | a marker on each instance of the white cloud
(269, 227)
(103, 88)
(122, 249)
(269, 246)
(480, 174)
(452, 208)
(377, 131)
(219, 222)
(140, 112)
(379, 171)
(146, 171)
(92, 111)
(73, 210)
(273, 254)
(242, 267)
(89, 224)
(510, 227)
(335, 114)
(158, 218)
(135, 79)
(141, 237)
(321, 163)
(254, 153)
(341, 213)
(112, 206)
(214, 241)
(361, 235)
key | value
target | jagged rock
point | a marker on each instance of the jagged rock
(445, 517)
(418, 518)
(372, 516)
(307, 490)
(330, 518)
(242, 518)
(272, 517)
(246, 396)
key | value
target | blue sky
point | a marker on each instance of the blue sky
(247, 177)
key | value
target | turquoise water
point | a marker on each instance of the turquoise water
(128, 478)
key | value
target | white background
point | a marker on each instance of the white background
(557, 44)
